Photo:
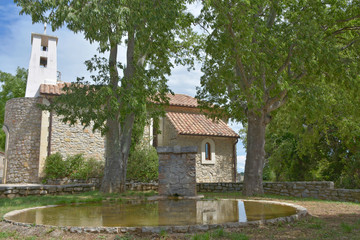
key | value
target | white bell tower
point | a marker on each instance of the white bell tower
(43, 62)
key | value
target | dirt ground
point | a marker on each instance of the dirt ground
(326, 220)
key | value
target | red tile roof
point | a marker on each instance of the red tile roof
(199, 124)
(182, 100)
(175, 100)
(50, 89)
(184, 123)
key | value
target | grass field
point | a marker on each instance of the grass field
(327, 220)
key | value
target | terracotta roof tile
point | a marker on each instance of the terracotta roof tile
(199, 124)
(175, 100)
(182, 100)
(184, 123)
(50, 89)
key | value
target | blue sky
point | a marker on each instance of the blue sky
(73, 51)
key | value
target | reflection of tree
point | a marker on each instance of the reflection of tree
(130, 214)
(260, 211)
(153, 213)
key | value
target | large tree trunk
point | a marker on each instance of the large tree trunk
(117, 154)
(255, 155)
(118, 136)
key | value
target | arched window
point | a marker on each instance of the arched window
(208, 151)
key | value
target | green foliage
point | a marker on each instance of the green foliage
(11, 87)
(55, 167)
(143, 164)
(314, 137)
(154, 33)
(73, 167)
(261, 53)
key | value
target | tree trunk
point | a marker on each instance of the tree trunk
(117, 154)
(255, 155)
(118, 136)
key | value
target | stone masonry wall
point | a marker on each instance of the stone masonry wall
(71, 140)
(23, 120)
(2, 156)
(320, 190)
(221, 171)
(8, 191)
(177, 175)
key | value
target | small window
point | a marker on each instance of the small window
(207, 151)
(44, 48)
(43, 62)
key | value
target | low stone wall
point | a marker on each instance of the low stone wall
(11, 191)
(131, 185)
(66, 181)
(320, 190)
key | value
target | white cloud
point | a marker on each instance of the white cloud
(241, 163)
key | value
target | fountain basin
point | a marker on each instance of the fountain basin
(154, 216)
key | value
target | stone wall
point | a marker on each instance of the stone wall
(11, 191)
(2, 155)
(320, 190)
(222, 171)
(23, 123)
(71, 140)
(130, 186)
(177, 175)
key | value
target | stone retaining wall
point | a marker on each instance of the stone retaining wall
(11, 191)
(320, 190)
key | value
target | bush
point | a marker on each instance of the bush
(74, 164)
(89, 169)
(73, 167)
(55, 166)
(143, 164)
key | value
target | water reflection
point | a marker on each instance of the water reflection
(154, 213)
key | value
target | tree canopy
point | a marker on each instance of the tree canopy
(260, 52)
(315, 136)
(153, 33)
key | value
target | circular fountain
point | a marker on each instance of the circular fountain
(187, 215)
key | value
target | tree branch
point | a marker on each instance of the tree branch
(276, 102)
(287, 61)
(348, 19)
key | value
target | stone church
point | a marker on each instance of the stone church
(32, 134)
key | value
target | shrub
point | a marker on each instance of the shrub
(74, 164)
(73, 167)
(143, 164)
(90, 168)
(55, 166)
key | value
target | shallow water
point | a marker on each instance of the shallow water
(154, 213)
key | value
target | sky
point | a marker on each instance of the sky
(73, 50)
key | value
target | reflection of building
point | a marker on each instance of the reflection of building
(213, 212)
(33, 134)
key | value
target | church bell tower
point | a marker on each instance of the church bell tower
(43, 63)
